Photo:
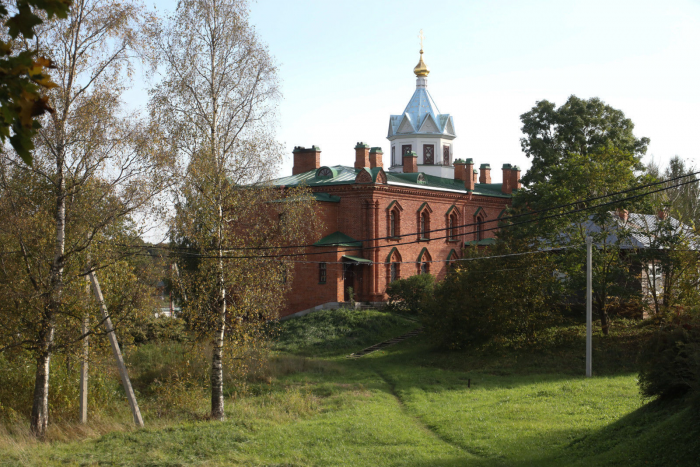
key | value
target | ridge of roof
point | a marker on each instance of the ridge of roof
(346, 176)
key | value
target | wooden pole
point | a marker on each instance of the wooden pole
(589, 307)
(126, 382)
(84, 370)
(84, 361)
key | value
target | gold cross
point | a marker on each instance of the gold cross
(421, 37)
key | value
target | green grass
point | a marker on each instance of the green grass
(408, 405)
(329, 332)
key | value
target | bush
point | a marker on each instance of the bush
(506, 296)
(158, 329)
(408, 295)
(669, 362)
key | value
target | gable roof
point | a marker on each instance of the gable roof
(639, 230)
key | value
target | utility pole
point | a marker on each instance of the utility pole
(84, 369)
(126, 382)
(589, 307)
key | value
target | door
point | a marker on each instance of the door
(348, 281)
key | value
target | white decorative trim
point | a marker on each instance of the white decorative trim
(426, 187)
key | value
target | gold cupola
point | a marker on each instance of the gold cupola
(421, 70)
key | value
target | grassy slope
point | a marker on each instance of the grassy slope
(410, 406)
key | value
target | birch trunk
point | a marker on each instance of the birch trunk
(40, 404)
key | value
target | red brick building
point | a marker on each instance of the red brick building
(382, 225)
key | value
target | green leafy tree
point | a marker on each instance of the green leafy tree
(583, 149)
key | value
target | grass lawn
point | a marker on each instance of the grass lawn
(408, 405)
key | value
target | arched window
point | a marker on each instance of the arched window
(479, 229)
(392, 224)
(393, 261)
(423, 262)
(452, 226)
(425, 225)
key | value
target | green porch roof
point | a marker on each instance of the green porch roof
(338, 239)
(343, 175)
(357, 259)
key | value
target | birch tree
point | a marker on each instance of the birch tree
(95, 167)
(217, 101)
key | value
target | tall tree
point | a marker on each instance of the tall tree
(95, 167)
(216, 101)
(583, 149)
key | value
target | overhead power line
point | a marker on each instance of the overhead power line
(443, 229)
(391, 245)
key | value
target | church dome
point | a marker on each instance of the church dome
(421, 70)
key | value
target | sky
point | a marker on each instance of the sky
(345, 67)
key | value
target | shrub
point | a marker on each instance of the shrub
(408, 295)
(154, 329)
(506, 296)
(669, 362)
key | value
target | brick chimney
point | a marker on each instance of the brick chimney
(306, 159)
(375, 158)
(485, 173)
(507, 186)
(475, 175)
(469, 179)
(361, 155)
(515, 173)
(410, 162)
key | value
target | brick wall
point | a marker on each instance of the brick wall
(362, 214)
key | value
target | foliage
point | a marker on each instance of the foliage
(25, 74)
(583, 149)
(151, 329)
(96, 170)
(669, 363)
(499, 297)
(407, 295)
(215, 102)
(682, 202)
(580, 126)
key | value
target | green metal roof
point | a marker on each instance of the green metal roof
(357, 259)
(343, 175)
(338, 239)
